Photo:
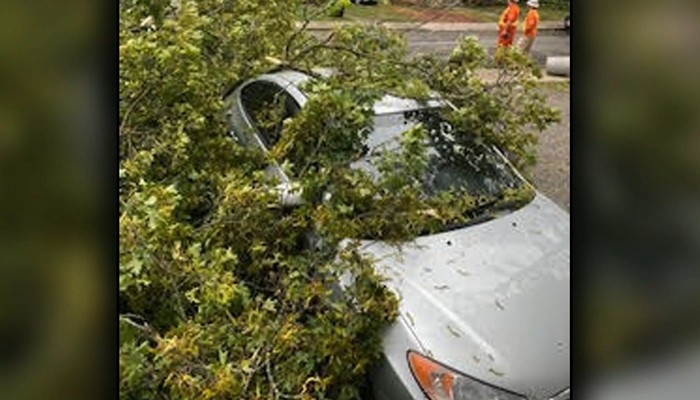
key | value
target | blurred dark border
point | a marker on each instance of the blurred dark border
(58, 192)
(636, 181)
(577, 187)
(635, 237)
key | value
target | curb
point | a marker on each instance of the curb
(427, 26)
(489, 76)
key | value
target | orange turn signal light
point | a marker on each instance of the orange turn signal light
(436, 381)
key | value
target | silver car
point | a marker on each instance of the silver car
(484, 307)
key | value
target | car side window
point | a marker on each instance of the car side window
(268, 105)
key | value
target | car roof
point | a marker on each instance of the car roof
(388, 104)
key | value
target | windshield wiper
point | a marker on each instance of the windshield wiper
(480, 209)
(475, 216)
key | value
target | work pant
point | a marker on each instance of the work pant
(525, 43)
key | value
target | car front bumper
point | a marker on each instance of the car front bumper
(391, 378)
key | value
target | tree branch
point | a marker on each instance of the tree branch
(144, 327)
(273, 384)
(131, 107)
(433, 18)
(307, 21)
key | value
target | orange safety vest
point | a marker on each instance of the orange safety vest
(509, 16)
(508, 25)
(532, 20)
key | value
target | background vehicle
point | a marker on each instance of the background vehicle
(484, 310)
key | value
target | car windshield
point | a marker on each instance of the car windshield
(471, 166)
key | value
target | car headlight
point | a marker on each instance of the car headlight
(441, 383)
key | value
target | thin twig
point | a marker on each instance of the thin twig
(309, 49)
(307, 21)
(140, 96)
(255, 369)
(429, 20)
(144, 327)
(273, 384)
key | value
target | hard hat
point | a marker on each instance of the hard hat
(533, 3)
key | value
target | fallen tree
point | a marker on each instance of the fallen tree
(219, 296)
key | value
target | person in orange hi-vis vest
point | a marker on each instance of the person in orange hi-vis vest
(532, 21)
(508, 24)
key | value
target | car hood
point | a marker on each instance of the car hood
(491, 300)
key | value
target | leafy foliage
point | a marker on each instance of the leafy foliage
(337, 8)
(223, 292)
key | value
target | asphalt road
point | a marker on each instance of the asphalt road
(552, 174)
(548, 43)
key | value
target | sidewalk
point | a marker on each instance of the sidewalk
(429, 26)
